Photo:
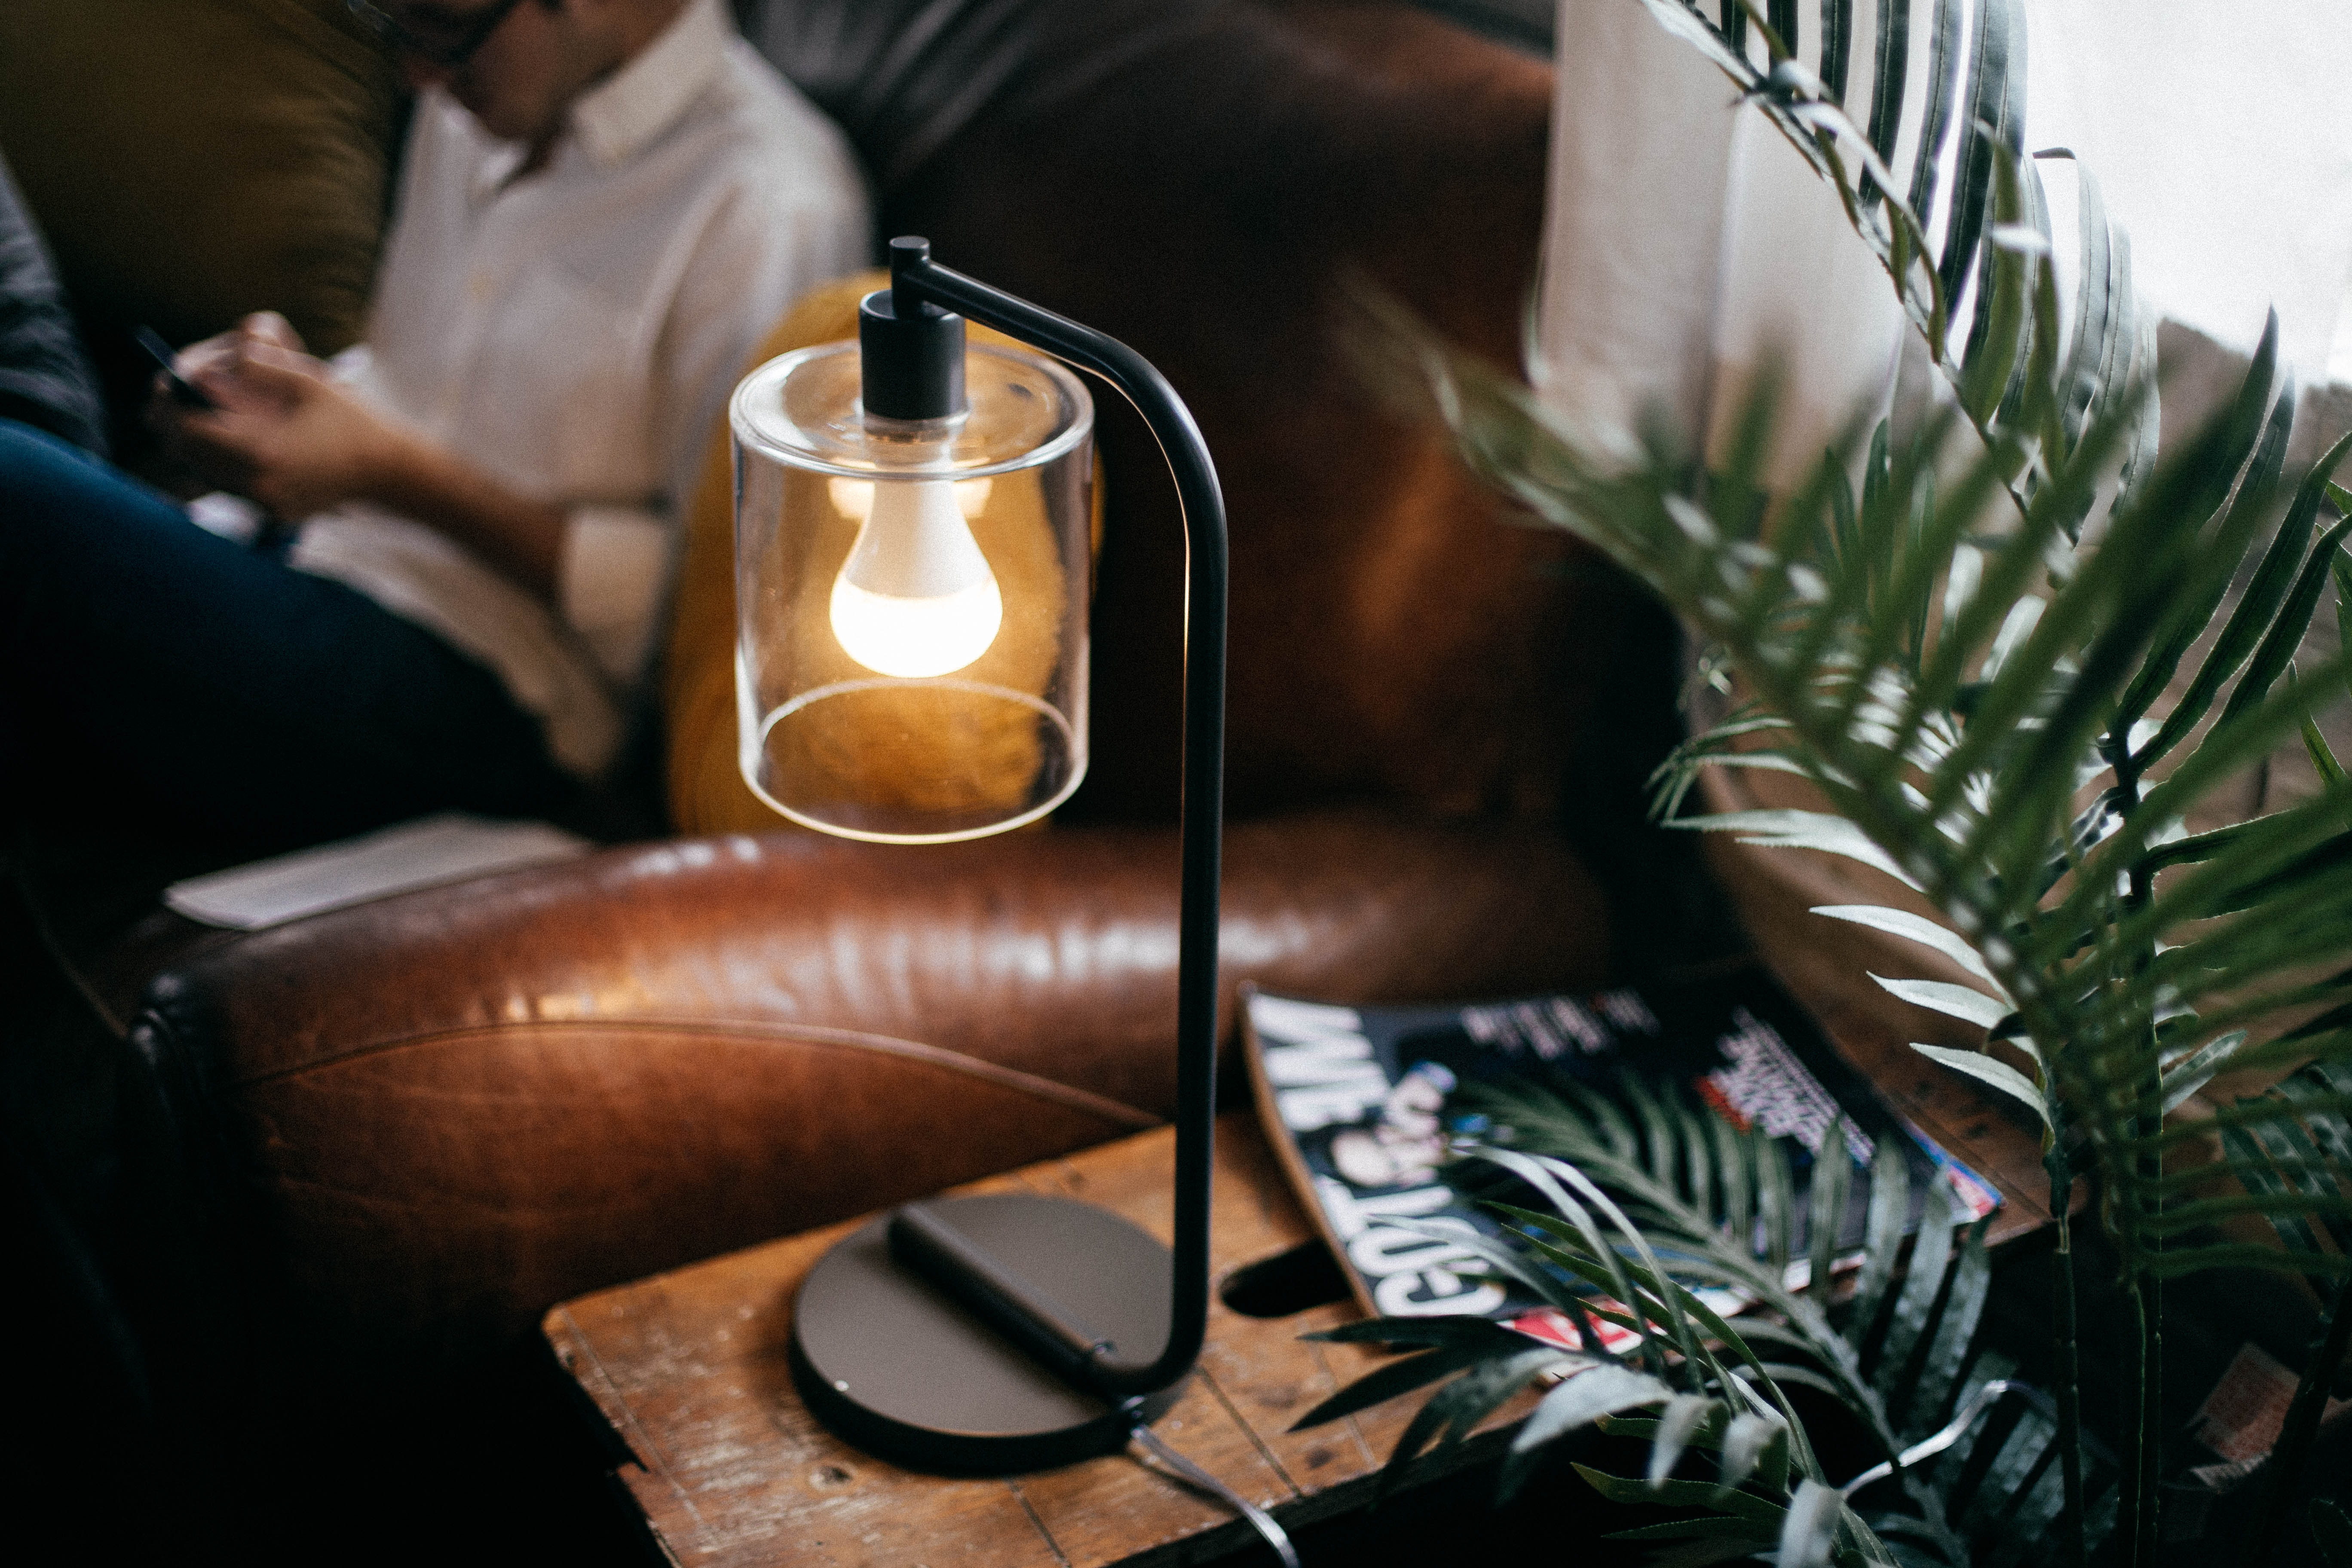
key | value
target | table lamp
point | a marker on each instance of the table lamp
(912, 562)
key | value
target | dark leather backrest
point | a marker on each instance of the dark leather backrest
(905, 77)
(1198, 177)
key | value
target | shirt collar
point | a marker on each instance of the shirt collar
(494, 163)
(621, 115)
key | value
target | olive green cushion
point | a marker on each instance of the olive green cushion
(194, 160)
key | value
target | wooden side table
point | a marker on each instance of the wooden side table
(730, 1469)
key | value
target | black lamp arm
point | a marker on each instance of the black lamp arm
(916, 278)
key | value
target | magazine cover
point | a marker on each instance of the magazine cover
(1362, 1105)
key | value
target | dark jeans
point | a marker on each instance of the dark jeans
(155, 676)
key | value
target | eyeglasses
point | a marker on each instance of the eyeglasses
(446, 42)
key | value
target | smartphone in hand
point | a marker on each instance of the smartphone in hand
(183, 391)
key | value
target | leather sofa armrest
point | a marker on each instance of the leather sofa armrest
(436, 1115)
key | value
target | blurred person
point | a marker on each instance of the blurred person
(438, 563)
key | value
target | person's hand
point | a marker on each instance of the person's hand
(286, 433)
(290, 437)
(212, 365)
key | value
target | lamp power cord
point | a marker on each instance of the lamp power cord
(1158, 1456)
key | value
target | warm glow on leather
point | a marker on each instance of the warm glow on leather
(915, 596)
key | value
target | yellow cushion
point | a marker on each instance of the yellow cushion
(194, 160)
(706, 792)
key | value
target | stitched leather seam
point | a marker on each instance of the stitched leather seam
(1103, 1106)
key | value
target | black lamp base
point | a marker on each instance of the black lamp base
(891, 1364)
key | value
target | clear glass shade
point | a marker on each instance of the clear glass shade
(911, 597)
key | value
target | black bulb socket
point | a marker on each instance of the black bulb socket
(912, 355)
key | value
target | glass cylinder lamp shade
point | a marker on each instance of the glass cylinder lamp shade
(911, 596)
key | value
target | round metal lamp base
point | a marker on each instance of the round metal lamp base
(895, 1367)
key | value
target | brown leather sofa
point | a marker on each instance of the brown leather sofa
(373, 1146)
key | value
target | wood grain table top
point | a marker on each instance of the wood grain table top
(689, 1370)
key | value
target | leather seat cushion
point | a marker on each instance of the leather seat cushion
(444, 1114)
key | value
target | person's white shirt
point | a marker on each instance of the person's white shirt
(575, 333)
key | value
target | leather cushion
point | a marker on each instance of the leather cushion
(1209, 196)
(194, 160)
(441, 1114)
(904, 78)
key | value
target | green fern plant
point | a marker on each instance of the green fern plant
(1643, 1208)
(2016, 725)
(2295, 1148)
(1898, 1354)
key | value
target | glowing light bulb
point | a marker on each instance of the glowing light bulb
(915, 596)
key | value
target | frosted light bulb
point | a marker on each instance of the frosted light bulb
(916, 597)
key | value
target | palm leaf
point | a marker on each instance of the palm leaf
(1636, 1217)
(1970, 788)
(1977, 91)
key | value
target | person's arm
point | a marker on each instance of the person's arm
(292, 438)
(522, 538)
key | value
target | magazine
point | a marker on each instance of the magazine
(1363, 1104)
